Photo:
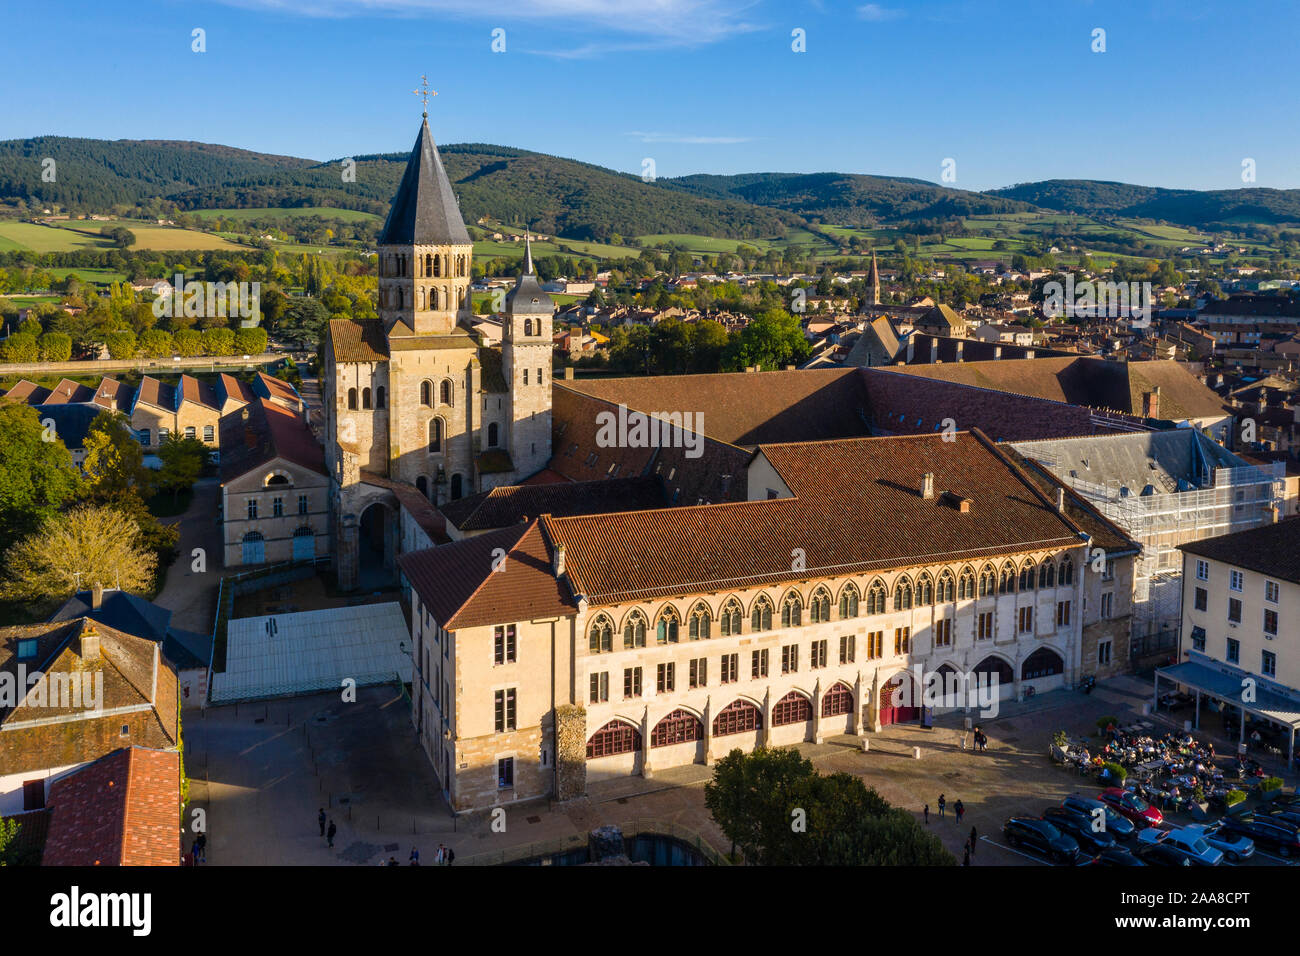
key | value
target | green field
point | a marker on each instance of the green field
(297, 212)
(71, 235)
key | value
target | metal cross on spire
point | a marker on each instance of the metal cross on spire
(424, 93)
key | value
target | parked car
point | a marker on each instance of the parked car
(1118, 856)
(1265, 831)
(1130, 805)
(1192, 845)
(1285, 800)
(1158, 854)
(1235, 847)
(1079, 825)
(1116, 823)
(1284, 813)
(1031, 833)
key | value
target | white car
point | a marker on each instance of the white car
(1187, 842)
(1234, 846)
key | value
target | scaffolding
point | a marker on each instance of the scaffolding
(1213, 500)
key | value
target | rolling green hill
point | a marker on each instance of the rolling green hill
(1186, 207)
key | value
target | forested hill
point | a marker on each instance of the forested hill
(555, 195)
(1187, 207)
(848, 198)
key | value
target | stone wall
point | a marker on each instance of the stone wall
(570, 752)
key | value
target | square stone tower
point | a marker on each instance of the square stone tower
(526, 349)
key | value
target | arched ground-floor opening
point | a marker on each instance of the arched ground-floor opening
(994, 671)
(376, 541)
(1044, 670)
(900, 700)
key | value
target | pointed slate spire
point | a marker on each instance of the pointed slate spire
(528, 253)
(875, 280)
(424, 211)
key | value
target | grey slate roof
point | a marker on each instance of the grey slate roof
(424, 210)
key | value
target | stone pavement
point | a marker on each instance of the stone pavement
(192, 596)
(264, 769)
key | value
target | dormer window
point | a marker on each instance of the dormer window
(26, 649)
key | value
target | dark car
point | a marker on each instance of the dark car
(1271, 832)
(1118, 856)
(1158, 854)
(1281, 813)
(1040, 836)
(1284, 800)
(1116, 822)
(1079, 826)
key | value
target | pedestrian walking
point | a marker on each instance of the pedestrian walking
(330, 832)
(201, 847)
(440, 855)
(451, 856)
(943, 803)
(321, 820)
(974, 840)
(926, 811)
(959, 808)
(965, 861)
(415, 857)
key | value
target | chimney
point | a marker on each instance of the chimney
(557, 560)
(89, 642)
(1060, 500)
(1151, 403)
(96, 596)
(927, 485)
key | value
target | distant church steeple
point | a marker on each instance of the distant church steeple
(875, 280)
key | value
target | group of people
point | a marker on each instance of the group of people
(959, 811)
(980, 741)
(198, 851)
(445, 855)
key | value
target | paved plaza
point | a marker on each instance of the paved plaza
(262, 772)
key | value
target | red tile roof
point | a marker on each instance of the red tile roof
(358, 341)
(458, 585)
(857, 508)
(122, 810)
(261, 431)
(68, 392)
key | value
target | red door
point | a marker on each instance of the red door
(890, 713)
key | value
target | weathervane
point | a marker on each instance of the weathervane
(424, 93)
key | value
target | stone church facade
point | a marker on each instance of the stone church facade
(415, 399)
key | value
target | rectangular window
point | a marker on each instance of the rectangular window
(209, 433)
(144, 437)
(1202, 570)
(631, 682)
(600, 687)
(252, 509)
(189, 432)
(525, 376)
(1268, 664)
(1108, 572)
(665, 678)
(1107, 604)
(1234, 651)
(505, 773)
(1062, 613)
(1271, 592)
(699, 672)
(875, 645)
(539, 377)
(790, 659)
(1270, 621)
(1025, 620)
(902, 640)
(1103, 652)
(277, 506)
(758, 661)
(505, 710)
(818, 655)
(162, 435)
(1235, 580)
(503, 644)
(1198, 639)
(27, 648)
(984, 626)
(1234, 610)
(846, 649)
(302, 504)
(943, 632)
(730, 668)
(1201, 599)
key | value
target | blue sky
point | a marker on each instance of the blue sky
(1009, 89)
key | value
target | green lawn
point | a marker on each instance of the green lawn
(297, 212)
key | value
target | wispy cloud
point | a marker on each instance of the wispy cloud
(671, 23)
(878, 14)
(647, 137)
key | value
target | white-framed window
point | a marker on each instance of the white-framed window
(1235, 580)
(1202, 570)
(1270, 622)
(1271, 592)
(1268, 664)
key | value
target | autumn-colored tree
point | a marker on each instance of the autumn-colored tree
(76, 549)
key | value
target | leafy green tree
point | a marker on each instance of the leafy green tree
(122, 344)
(772, 340)
(304, 322)
(748, 796)
(37, 475)
(220, 341)
(20, 347)
(187, 342)
(55, 347)
(250, 341)
(156, 343)
(114, 461)
(182, 460)
(85, 546)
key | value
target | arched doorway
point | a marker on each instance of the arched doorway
(457, 486)
(994, 671)
(304, 544)
(422, 485)
(900, 700)
(375, 547)
(254, 548)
